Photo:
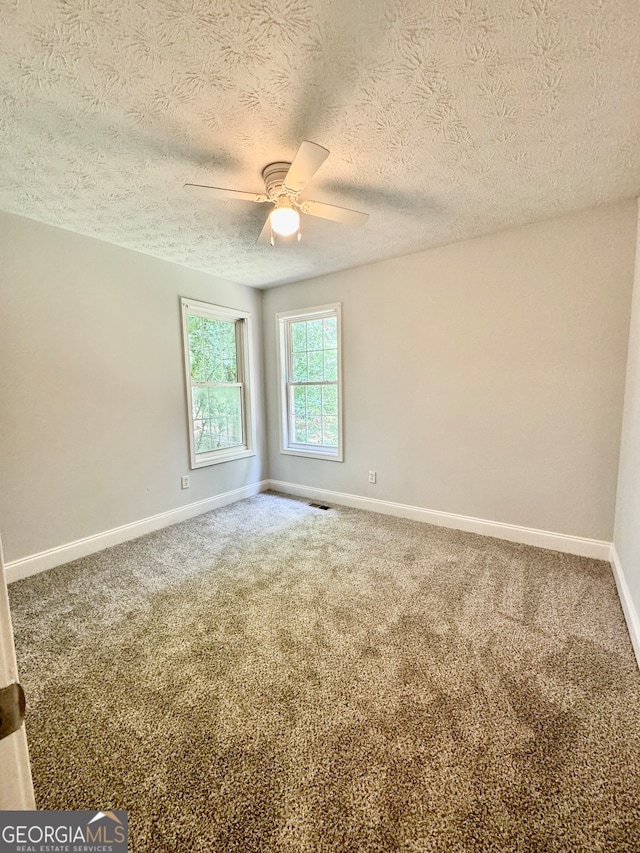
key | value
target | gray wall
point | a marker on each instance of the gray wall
(485, 378)
(92, 403)
(627, 527)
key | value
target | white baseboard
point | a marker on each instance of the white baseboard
(595, 548)
(44, 560)
(583, 547)
(628, 607)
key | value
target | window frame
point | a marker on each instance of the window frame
(245, 363)
(284, 320)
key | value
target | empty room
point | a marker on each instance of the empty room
(320, 425)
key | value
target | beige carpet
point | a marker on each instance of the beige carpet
(273, 677)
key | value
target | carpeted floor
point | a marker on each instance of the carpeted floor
(274, 677)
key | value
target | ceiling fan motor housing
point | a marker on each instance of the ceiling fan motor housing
(274, 175)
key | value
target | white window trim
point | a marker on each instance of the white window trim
(245, 370)
(283, 324)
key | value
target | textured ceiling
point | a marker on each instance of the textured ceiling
(445, 120)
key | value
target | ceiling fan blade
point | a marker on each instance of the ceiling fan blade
(265, 235)
(219, 192)
(305, 164)
(336, 214)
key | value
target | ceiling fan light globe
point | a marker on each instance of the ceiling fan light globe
(285, 221)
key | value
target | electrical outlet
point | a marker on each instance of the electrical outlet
(185, 483)
(372, 476)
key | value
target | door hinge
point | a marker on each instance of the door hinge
(12, 707)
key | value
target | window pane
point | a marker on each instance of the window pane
(228, 351)
(299, 430)
(330, 431)
(330, 328)
(314, 355)
(299, 367)
(314, 414)
(330, 365)
(314, 334)
(202, 436)
(314, 399)
(329, 400)
(194, 324)
(314, 430)
(194, 327)
(229, 369)
(310, 423)
(298, 337)
(218, 356)
(316, 369)
(300, 401)
(210, 357)
(225, 424)
(200, 400)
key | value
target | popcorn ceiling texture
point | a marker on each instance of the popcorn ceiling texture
(445, 120)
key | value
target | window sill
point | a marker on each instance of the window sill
(313, 454)
(222, 456)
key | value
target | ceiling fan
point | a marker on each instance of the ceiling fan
(284, 183)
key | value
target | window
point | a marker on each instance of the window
(217, 356)
(310, 386)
